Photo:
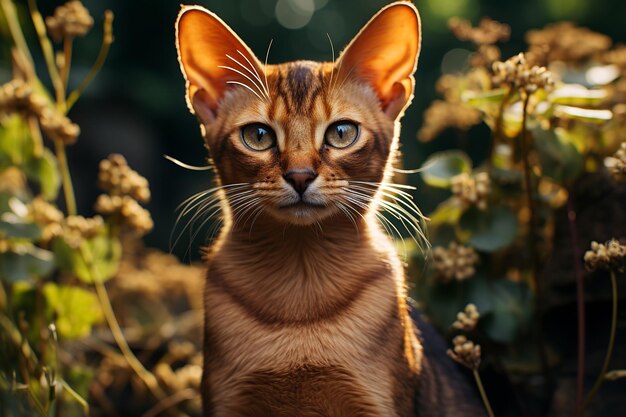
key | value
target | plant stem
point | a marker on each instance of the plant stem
(48, 52)
(580, 301)
(107, 40)
(483, 394)
(16, 31)
(532, 237)
(146, 376)
(67, 62)
(76, 396)
(66, 178)
(609, 351)
(615, 374)
(497, 129)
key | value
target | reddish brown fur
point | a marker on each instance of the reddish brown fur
(305, 306)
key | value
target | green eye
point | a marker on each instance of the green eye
(258, 136)
(341, 134)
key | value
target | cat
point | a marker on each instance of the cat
(305, 298)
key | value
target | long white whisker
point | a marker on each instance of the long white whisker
(267, 55)
(244, 75)
(258, 77)
(246, 86)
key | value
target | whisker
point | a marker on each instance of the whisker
(187, 166)
(246, 86)
(259, 88)
(258, 77)
(267, 55)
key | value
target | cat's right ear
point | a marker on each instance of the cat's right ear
(211, 57)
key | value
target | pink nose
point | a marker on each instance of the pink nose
(300, 179)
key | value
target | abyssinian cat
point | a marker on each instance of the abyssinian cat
(305, 300)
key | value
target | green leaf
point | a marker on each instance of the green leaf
(481, 99)
(587, 115)
(106, 254)
(511, 312)
(558, 156)
(577, 95)
(441, 167)
(23, 264)
(449, 211)
(491, 229)
(73, 309)
(16, 142)
(45, 171)
(13, 227)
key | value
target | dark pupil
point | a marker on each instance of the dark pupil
(260, 132)
(341, 130)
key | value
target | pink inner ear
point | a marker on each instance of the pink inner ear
(204, 44)
(384, 54)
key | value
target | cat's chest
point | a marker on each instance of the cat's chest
(302, 325)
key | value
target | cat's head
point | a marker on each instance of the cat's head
(300, 141)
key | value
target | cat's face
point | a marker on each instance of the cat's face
(304, 140)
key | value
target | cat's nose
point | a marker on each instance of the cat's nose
(300, 179)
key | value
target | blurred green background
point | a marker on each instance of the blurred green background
(136, 105)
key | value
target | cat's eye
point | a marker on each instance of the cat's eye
(341, 134)
(258, 137)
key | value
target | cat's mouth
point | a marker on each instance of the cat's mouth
(302, 204)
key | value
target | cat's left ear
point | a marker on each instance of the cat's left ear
(384, 56)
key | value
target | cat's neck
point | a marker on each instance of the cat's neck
(297, 274)
(338, 234)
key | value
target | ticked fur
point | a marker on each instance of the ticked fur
(305, 309)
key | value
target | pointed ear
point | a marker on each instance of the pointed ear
(384, 56)
(212, 58)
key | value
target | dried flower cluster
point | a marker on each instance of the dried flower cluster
(118, 179)
(456, 262)
(467, 319)
(465, 352)
(125, 189)
(443, 114)
(472, 189)
(59, 127)
(565, 42)
(610, 255)
(47, 216)
(70, 20)
(484, 36)
(517, 74)
(130, 211)
(616, 56)
(76, 229)
(17, 96)
(616, 164)
(487, 32)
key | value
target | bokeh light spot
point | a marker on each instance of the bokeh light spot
(294, 14)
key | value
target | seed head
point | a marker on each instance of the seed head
(616, 164)
(466, 320)
(70, 20)
(472, 190)
(17, 96)
(610, 255)
(565, 42)
(487, 32)
(47, 216)
(443, 114)
(465, 352)
(118, 179)
(59, 127)
(516, 73)
(455, 262)
(76, 229)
